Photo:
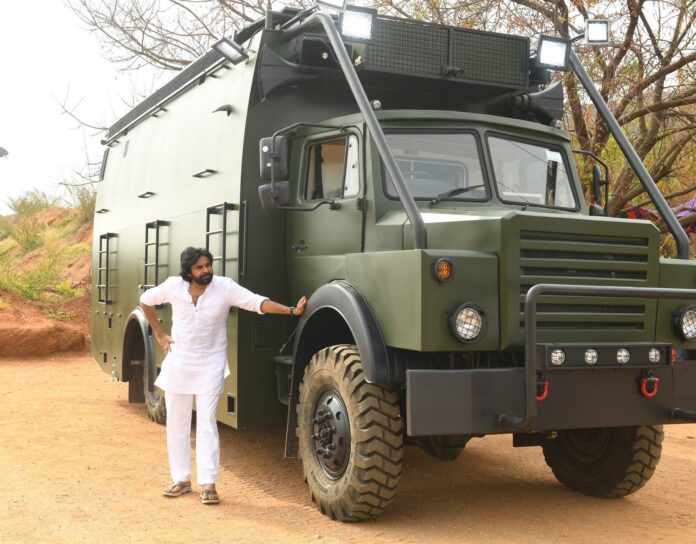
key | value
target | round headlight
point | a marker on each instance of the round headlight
(686, 322)
(623, 356)
(467, 322)
(557, 357)
(654, 355)
(591, 357)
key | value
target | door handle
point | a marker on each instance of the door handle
(299, 246)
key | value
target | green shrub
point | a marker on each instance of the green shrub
(83, 199)
(26, 230)
(31, 202)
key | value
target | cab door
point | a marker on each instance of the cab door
(320, 238)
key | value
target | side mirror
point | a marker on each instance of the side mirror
(597, 210)
(274, 195)
(273, 163)
(597, 183)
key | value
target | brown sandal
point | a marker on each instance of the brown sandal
(209, 496)
(177, 489)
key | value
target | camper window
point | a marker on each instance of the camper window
(333, 169)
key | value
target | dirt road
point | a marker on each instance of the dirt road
(79, 464)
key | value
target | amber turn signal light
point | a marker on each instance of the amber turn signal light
(443, 270)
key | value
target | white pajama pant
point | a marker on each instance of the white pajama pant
(179, 408)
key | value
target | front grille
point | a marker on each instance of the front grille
(584, 259)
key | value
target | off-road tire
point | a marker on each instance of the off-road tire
(373, 461)
(609, 462)
(154, 396)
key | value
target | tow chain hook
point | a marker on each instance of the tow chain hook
(649, 384)
(542, 389)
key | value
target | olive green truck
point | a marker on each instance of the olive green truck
(414, 181)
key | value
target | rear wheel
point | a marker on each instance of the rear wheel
(154, 396)
(350, 436)
(607, 462)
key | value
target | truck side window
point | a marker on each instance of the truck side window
(333, 169)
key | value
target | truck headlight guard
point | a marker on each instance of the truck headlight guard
(685, 322)
(466, 322)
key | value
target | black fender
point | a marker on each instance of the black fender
(341, 299)
(336, 313)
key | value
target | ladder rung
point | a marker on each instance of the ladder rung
(217, 258)
(211, 232)
(150, 243)
(148, 265)
(102, 268)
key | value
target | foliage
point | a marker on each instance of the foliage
(82, 198)
(25, 229)
(34, 253)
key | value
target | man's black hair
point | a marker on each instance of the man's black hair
(189, 257)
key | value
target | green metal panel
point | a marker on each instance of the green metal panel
(412, 308)
(681, 275)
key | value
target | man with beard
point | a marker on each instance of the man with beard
(195, 363)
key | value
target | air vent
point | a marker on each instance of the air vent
(125, 148)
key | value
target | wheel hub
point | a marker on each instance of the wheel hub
(331, 434)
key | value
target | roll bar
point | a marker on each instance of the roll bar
(648, 183)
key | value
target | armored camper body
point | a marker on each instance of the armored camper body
(415, 186)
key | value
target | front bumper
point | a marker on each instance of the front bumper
(505, 400)
(472, 401)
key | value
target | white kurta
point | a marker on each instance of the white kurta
(197, 361)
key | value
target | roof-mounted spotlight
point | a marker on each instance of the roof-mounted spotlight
(231, 50)
(597, 32)
(357, 23)
(331, 6)
(553, 53)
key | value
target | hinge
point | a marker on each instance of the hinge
(361, 204)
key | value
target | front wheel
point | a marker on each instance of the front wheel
(350, 435)
(607, 462)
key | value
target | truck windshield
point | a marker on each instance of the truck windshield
(434, 164)
(530, 173)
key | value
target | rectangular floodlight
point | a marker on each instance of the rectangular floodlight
(231, 50)
(553, 53)
(332, 6)
(357, 23)
(597, 32)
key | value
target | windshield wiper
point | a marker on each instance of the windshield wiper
(454, 192)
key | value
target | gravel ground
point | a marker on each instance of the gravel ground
(82, 465)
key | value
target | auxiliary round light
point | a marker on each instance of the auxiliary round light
(591, 357)
(558, 357)
(686, 322)
(623, 356)
(443, 270)
(466, 322)
(654, 355)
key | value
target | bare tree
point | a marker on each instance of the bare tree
(648, 77)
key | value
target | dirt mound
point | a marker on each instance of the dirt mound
(39, 316)
(27, 329)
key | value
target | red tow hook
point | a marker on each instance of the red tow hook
(542, 390)
(649, 385)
